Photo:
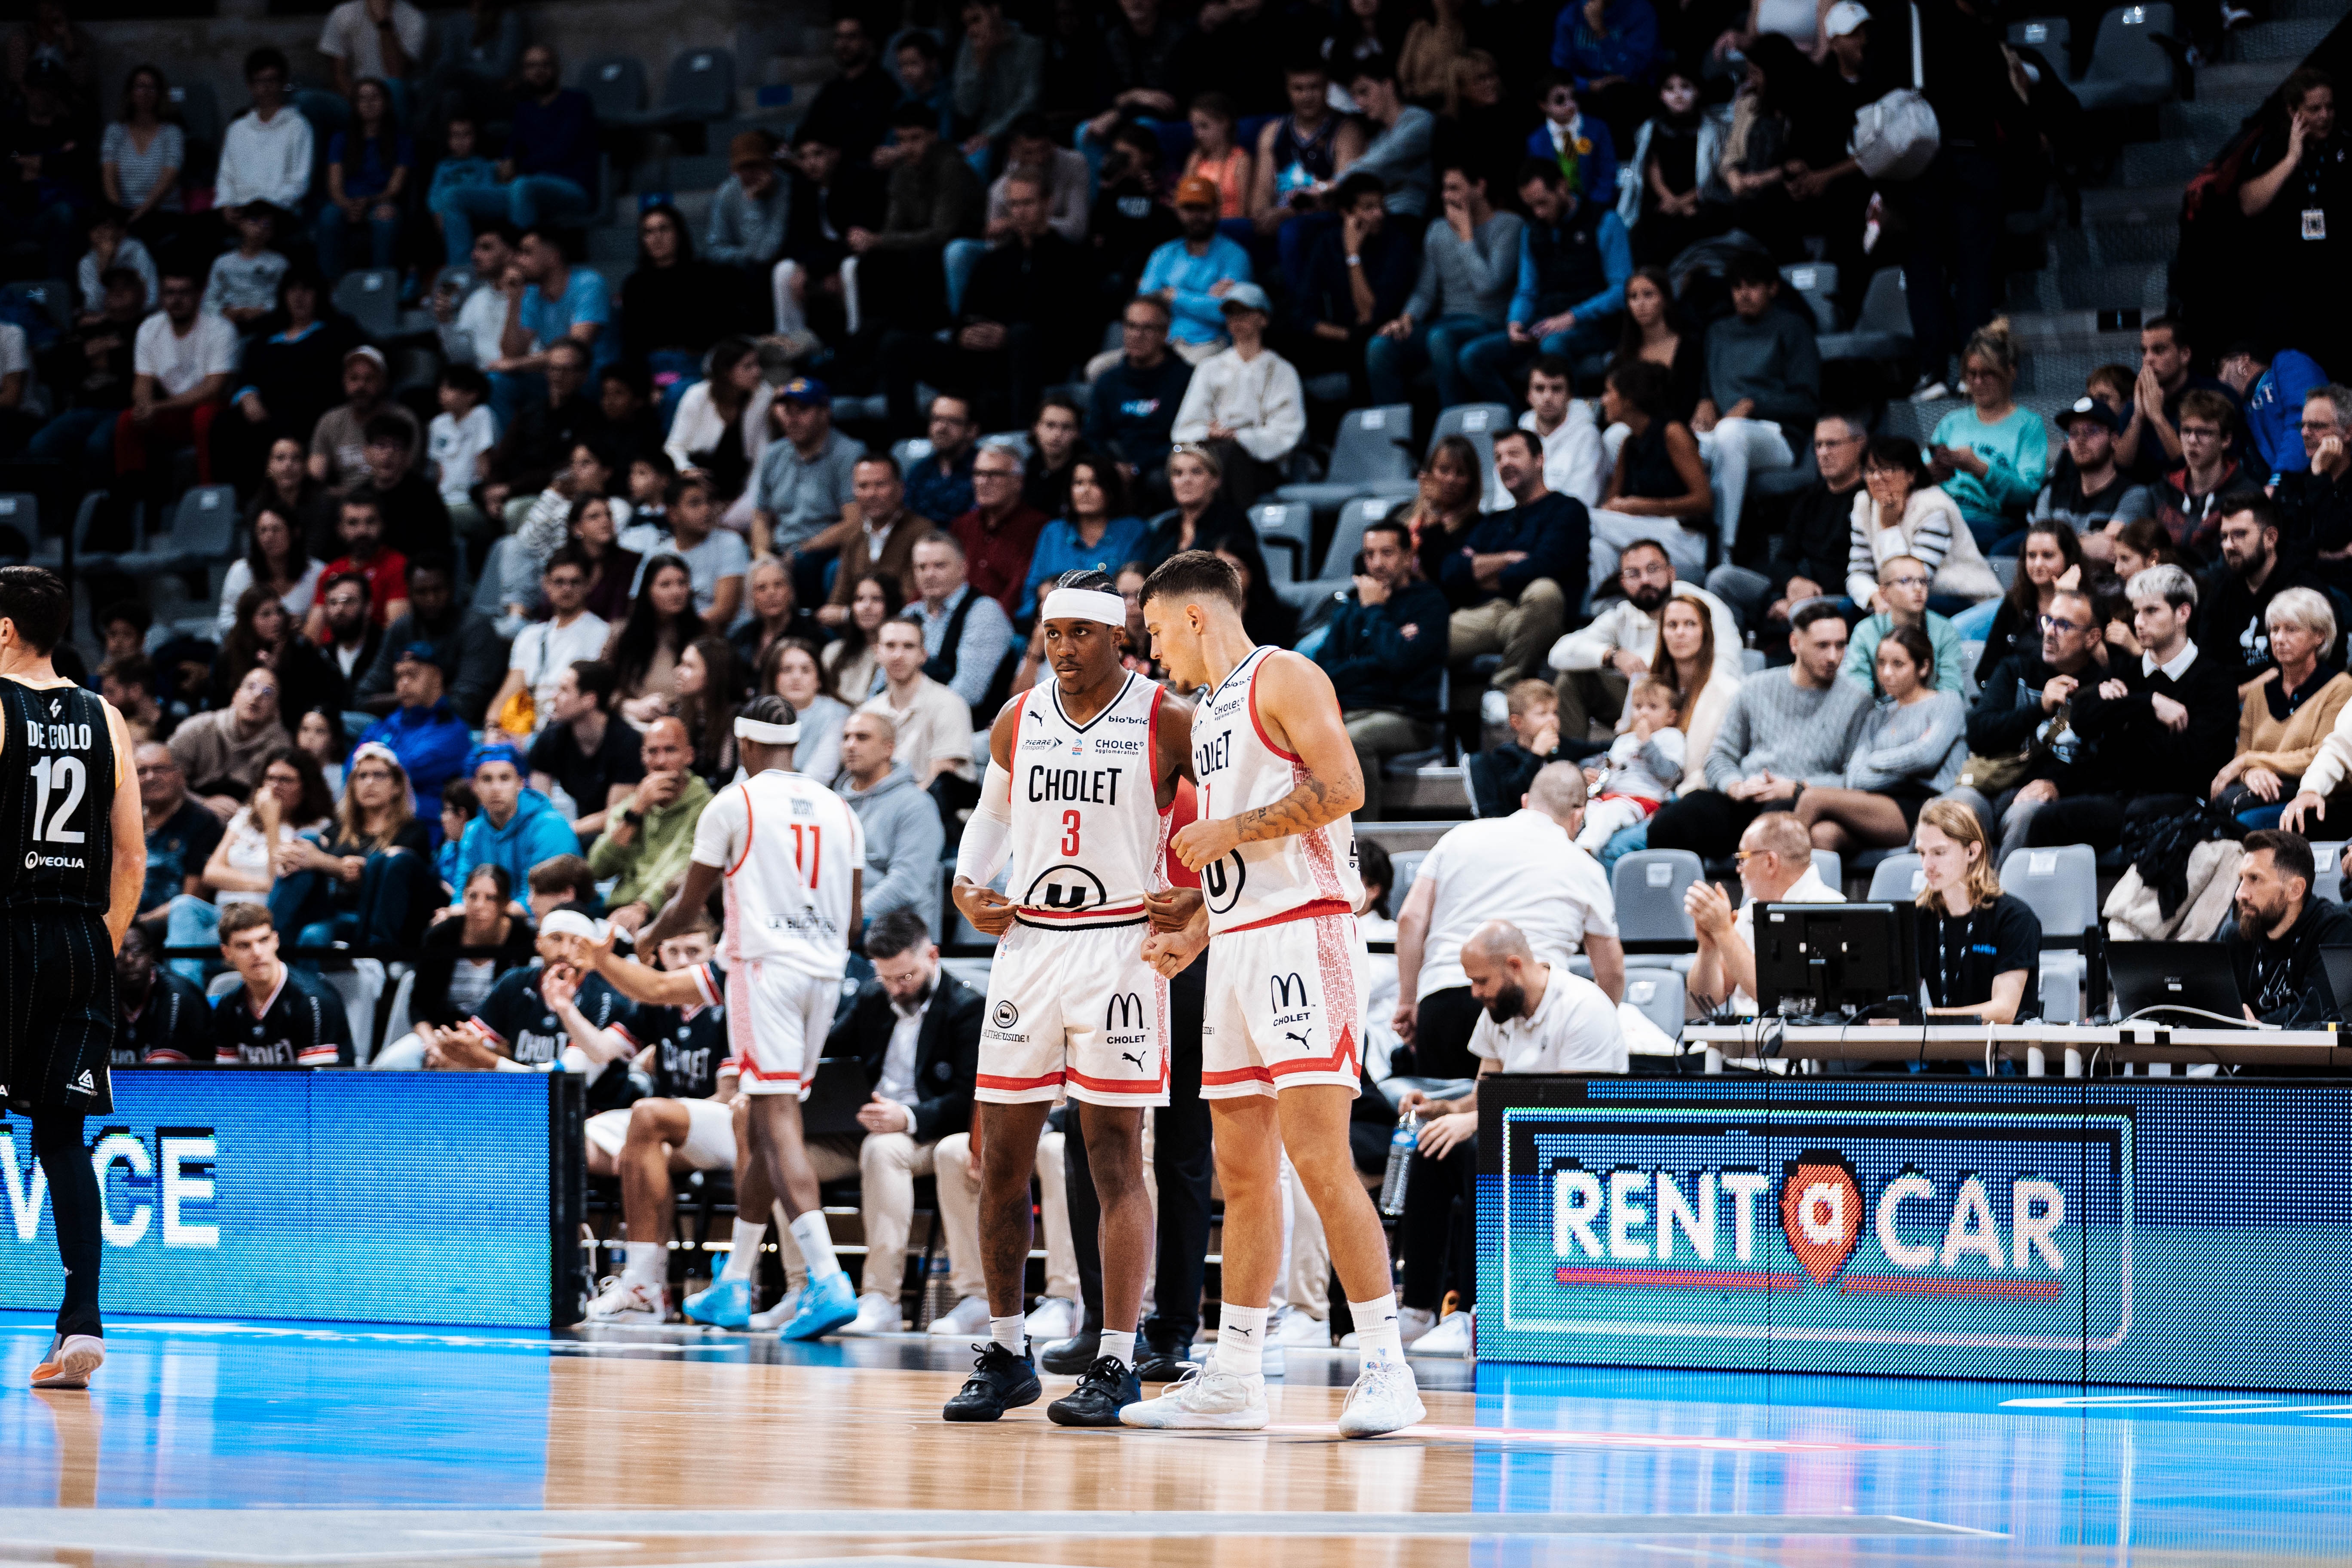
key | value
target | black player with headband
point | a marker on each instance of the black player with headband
(71, 868)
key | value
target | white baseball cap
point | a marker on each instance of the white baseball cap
(1842, 18)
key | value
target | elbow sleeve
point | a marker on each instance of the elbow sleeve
(986, 842)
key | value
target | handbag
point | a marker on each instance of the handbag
(1988, 776)
(1897, 137)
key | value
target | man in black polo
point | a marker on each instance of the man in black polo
(597, 763)
(2277, 930)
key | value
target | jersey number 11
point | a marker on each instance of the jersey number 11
(808, 854)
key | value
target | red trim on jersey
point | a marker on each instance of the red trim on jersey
(1181, 812)
(1130, 911)
(164, 1053)
(1122, 1084)
(622, 1031)
(315, 1055)
(705, 982)
(1239, 1075)
(748, 837)
(1013, 1085)
(1307, 911)
(1341, 1059)
(1264, 739)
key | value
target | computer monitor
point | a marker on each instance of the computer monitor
(1837, 961)
(2335, 963)
(2191, 980)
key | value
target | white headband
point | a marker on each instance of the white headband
(767, 734)
(571, 922)
(1084, 605)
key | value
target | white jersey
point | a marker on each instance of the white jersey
(1240, 770)
(1088, 838)
(789, 846)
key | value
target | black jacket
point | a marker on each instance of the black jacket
(2009, 714)
(1813, 544)
(2282, 978)
(1036, 286)
(1388, 657)
(947, 1051)
(2230, 617)
(2139, 756)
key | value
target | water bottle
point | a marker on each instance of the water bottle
(938, 1297)
(1402, 1143)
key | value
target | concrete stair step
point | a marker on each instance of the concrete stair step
(2167, 163)
(2240, 81)
(2090, 287)
(2283, 40)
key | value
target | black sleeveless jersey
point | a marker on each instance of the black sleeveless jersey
(56, 801)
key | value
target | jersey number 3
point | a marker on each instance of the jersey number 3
(808, 854)
(1069, 833)
(64, 774)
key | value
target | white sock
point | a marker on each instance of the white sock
(1010, 1333)
(1120, 1345)
(1376, 1329)
(644, 1265)
(743, 1259)
(1241, 1340)
(817, 1245)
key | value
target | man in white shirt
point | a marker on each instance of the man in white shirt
(1524, 869)
(1776, 866)
(933, 724)
(544, 649)
(381, 39)
(1570, 437)
(181, 364)
(266, 152)
(1534, 1017)
(1244, 401)
(1598, 660)
(473, 333)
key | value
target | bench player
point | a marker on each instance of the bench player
(1082, 770)
(165, 1020)
(790, 855)
(69, 883)
(1282, 1033)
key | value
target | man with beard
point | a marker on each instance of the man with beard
(2277, 929)
(2024, 710)
(1599, 660)
(2235, 599)
(161, 1019)
(1195, 272)
(1537, 1018)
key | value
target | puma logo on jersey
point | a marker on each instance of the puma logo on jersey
(1294, 1035)
(1135, 1057)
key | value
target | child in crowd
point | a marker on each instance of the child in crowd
(459, 805)
(1500, 774)
(461, 165)
(1645, 763)
(458, 444)
(368, 170)
(111, 246)
(1581, 147)
(244, 282)
(650, 478)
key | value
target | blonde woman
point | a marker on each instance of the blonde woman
(1980, 948)
(2286, 712)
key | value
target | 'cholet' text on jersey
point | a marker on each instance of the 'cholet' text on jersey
(1087, 836)
(1240, 770)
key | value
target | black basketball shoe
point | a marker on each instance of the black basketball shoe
(1103, 1390)
(1000, 1382)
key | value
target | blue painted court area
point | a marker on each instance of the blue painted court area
(324, 1443)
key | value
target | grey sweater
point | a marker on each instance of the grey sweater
(743, 232)
(1796, 731)
(1399, 156)
(904, 841)
(1772, 359)
(1474, 279)
(1925, 742)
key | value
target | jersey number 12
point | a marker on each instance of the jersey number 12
(64, 774)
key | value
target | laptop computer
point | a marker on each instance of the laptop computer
(2336, 964)
(2186, 978)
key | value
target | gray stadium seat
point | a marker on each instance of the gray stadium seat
(1291, 525)
(700, 88)
(1339, 556)
(1752, 660)
(2062, 887)
(615, 84)
(1657, 995)
(1896, 879)
(1649, 885)
(2327, 866)
(2051, 35)
(1832, 869)
(1816, 283)
(1883, 329)
(373, 299)
(20, 513)
(1372, 455)
(54, 295)
(1403, 867)
(2129, 68)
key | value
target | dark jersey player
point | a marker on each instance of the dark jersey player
(276, 1019)
(71, 866)
(165, 1020)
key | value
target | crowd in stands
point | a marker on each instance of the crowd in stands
(1040, 289)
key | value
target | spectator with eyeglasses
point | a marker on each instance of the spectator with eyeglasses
(2023, 751)
(2088, 489)
(1808, 555)
(2315, 504)
(1902, 602)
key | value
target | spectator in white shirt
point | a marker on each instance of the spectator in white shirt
(180, 363)
(1246, 402)
(266, 152)
(1598, 660)
(933, 724)
(1524, 869)
(471, 331)
(1570, 435)
(460, 438)
(544, 649)
(1776, 866)
(383, 38)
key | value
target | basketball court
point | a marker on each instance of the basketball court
(233, 1443)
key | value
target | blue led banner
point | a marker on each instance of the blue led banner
(369, 1197)
(2134, 1231)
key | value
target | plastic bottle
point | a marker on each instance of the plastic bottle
(1402, 1143)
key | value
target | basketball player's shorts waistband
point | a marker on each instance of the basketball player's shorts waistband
(1314, 909)
(1084, 919)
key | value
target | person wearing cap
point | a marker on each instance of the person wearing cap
(934, 197)
(425, 731)
(472, 657)
(1195, 271)
(339, 441)
(1244, 403)
(747, 217)
(805, 491)
(518, 827)
(2088, 491)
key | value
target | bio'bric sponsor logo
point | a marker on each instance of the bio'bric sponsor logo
(1659, 1227)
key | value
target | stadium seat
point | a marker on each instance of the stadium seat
(1406, 764)
(1371, 455)
(700, 88)
(1403, 867)
(1815, 282)
(2062, 887)
(199, 531)
(615, 84)
(53, 295)
(2131, 66)
(1649, 885)
(50, 552)
(2004, 567)
(372, 298)
(1752, 660)
(1881, 331)
(2327, 866)
(20, 525)
(1831, 869)
(1337, 575)
(2051, 35)
(1896, 879)
(1657, 995)
(1290, 525)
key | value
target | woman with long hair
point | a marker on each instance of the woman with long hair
(722, 426)
(264, 634)
(1992, 456)
(611, 569)
(140, 157)
(2051, 559)
(1659, 489)
(459, 960)
(1217, 155)
(1097, 531)
(644, 650)
(320, 733)
(367, 881)
(292, 372)
(1898, 512)
(289, 798)
(1752, 165)
(1980, 948)
(853, 661)
(793, 669)
(768, 590)
(287, 485)
(1687, 658)
(1447, 509)
(275, 561)
(673, 307)
(705, 703)
(1908, 752)
(1201, 511)
(367, 175)
(1265, 615)
(1657, 330)
(1438, 37)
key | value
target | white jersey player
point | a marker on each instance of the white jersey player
(1081, 774)
(791, 857)
(1283, 1022)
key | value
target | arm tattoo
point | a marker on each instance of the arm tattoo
(1303, 810)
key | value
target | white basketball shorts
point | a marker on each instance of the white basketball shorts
(777, 1017)
(1077, 1013)
(709, 1138)
(1286, 1007)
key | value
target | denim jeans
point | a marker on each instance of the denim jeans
(523, 200)
(87, 434)
(191, 922)
(320, 908)
(383, 240)
(1390, 364)
(1490, 364)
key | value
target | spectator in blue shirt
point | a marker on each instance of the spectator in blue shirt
(1574, 258)
(1192, 273)
(938, 484)
(1519, 570)
(559, 301)
(1611, 48)
(367, 176)
(2271, 388)
(1097, 531)
(548, 174)
(1385, 654)
(425, 733)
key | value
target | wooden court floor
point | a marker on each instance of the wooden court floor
(348, 1444)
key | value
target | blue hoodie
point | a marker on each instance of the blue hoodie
(430, 743)
(535, 833)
